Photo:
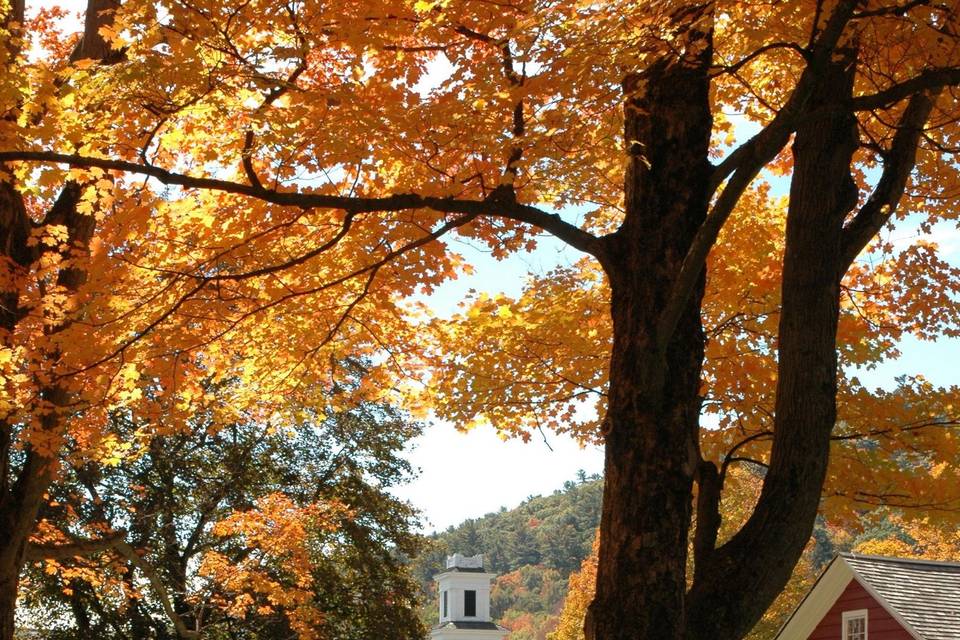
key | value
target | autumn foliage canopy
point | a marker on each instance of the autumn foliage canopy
(246, 195)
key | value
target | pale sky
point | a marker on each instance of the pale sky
(467, 475)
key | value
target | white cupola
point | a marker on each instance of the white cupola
(464, 590)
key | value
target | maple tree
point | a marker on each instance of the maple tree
(881, 531)
(253, 190)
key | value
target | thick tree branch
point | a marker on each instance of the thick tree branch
(156, 582)
(20, 503)
(743, 165)
(709, 487)
(924, 81)
(822, 49)
(756, 562)
(897, 165)
(78, 547)
(93, 45)
(499, 203)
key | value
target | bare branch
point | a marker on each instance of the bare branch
(202, 282)
(756, 53)
(246, 154)
(156, 582)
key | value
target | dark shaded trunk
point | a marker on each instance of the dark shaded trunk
(17, 520)
(740, 579)
(9, 585)
(653, 409)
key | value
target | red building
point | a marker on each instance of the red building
(874, 598)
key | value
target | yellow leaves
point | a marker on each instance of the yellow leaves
(921, 538)
(181, 285)
(518, 364)
(112, 451)
(276, 571)
(423, 6)
(938, 469)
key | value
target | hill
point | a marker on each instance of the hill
(533, 548)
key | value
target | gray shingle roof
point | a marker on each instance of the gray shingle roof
(925, 594)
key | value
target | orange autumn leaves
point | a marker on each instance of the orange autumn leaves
(178, 288)
(582, 585)
(280, 538)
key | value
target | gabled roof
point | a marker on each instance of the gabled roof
(922, 595)
(925, 594)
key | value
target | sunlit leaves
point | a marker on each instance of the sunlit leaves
(538, 361)
(276, 572)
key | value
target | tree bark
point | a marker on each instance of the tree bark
(9, 585)
(652, 418)
(741, 578)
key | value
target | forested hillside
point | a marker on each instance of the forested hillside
(533, 548)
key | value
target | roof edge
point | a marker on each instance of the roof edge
(466, 574)
(836, 576)
(865, 556)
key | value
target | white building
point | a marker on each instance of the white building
(464, 590)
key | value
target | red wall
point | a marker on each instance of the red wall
(880, 624)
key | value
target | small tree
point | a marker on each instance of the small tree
(236, 530)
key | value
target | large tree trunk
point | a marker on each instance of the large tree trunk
(653, 407)
(741, 578)
(651, 429)
(9, 584)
